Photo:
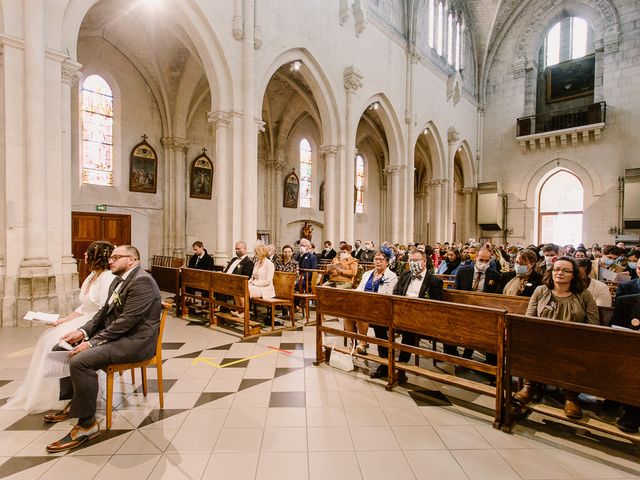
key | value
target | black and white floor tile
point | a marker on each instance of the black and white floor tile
(259, 409)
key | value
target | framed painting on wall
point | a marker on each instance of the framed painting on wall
(201, 177)
(291, 189)
(143, 168)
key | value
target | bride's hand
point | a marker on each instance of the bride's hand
(55, 323)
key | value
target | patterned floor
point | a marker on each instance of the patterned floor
(259, 409)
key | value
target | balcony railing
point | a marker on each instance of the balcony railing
(574, 117)
(566, 125)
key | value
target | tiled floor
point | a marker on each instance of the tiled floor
(268, 413)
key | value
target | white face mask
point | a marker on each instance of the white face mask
(344, 255)
(482, 267)
(303, 249)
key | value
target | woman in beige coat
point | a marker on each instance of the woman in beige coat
(261, 281)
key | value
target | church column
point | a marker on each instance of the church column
(384, 210)
(438, 206)
(330, 210)
(394, 173)
(181, 148)
(452, 139)
(352, 83)
(408, 233)
(168, 196)
(70, 75)
(419, 223)
(35, 261)
(468, 229)
(223, 172)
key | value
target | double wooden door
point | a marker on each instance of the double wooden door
(89, 227)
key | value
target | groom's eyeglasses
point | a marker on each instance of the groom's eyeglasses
(115, 258)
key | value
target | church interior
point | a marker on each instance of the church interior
(168, 124)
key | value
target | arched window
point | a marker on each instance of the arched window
(432, 23)
(561, 208)
(97, 131)
(305, 173)
(359, 184)
(440, 42)
(450, 39)
(458, 44)
(568, 39)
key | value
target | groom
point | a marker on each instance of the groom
(124, 330)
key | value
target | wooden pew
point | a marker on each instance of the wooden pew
(373, 308)
(511, 304)
(166, 261)
(169, 280)
(198, 280)
(591, 359)
(231, 285)
(455, 324)
(284, 284)
(448, 281)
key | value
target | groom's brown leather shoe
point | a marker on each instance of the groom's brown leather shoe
(60, 416)
(76, 437)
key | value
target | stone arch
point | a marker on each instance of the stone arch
(434, 140)
(320, 87)
(466, 163)
(194, 22)
(390, 123)
(600, 14)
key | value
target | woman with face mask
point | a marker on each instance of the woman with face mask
(342, 270)
(523, 280)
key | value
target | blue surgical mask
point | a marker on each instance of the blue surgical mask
(633, 265)
(521, 270)
(609, 261)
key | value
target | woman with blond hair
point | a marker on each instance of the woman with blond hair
(261, 281)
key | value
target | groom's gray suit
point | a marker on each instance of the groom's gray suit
(124, 330)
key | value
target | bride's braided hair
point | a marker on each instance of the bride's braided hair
(98, 255)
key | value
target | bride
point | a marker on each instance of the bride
(38, 394)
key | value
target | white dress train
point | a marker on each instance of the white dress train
(38, 394)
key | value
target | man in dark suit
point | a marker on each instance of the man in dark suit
(416, 283)
(124, 330)
(629, 288)
(626, 314)
(477, 277)
(328, 253)
(307, 260)
(241, 264)
(357, 250)
(200, 258)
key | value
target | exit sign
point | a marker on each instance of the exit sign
(101, 208)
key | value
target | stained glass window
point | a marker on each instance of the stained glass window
(305, 173)
(97, 131)
(359, 184)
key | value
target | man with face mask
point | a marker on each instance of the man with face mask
(478, 277)
(416, 283)
(368, 251)
(549, 256)
(307, 260)
(610, 260)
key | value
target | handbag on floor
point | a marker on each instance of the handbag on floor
(341, 361)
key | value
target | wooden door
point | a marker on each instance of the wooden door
(89, 227)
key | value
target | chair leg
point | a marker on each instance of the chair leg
(133, 376)
(143, 371)
(160, 391)
(273, 319)
(109, 398)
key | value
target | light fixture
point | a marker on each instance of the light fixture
(295, 66)
(374, 106)
(425, 131)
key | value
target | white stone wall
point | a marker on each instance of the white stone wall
(597, 165)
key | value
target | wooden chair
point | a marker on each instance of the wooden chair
(155, 360)
(284, 284)
(311, 292)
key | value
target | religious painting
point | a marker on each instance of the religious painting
(143, 168)
(571, 79)
(291, 189)
(201, 177)
(321, 195)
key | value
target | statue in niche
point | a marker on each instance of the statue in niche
(306, 231)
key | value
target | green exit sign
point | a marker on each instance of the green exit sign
(101, 208)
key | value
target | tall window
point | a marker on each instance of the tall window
(568, 39)
(440, 42)
(561, 208)
(305, 173)
(359, 184)
(97, 131)
(458, 44)
(432, 24)
(450, 38)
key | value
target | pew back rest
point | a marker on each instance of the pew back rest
(284, 284)
(166, 261)
(456, 324)
(354, 305)
(167, 278)
(605, 315)
(230, 284)
(194, 278)
(512, 304)
(597, 360)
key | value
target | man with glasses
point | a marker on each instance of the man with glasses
(124, 330)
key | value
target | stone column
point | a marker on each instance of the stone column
(70, 75)
(397, 214)
(330, 210)
(181, 148)
(413, 57)
(35, 261)
(468, 218)
(384, 210)
(437, 206)
(222, 172)
(352, 83)
(452, 139)
(168, 196)
(419, 222)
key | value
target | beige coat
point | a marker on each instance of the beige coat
(261, 282)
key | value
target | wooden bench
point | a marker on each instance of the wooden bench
(284, 284)
(375, 309)
(591, 359)
(448, 281)
(455, 324)
(166, 261)
(237, 286)
(195, 279)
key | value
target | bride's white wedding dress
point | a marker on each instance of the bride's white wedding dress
(38, 394)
